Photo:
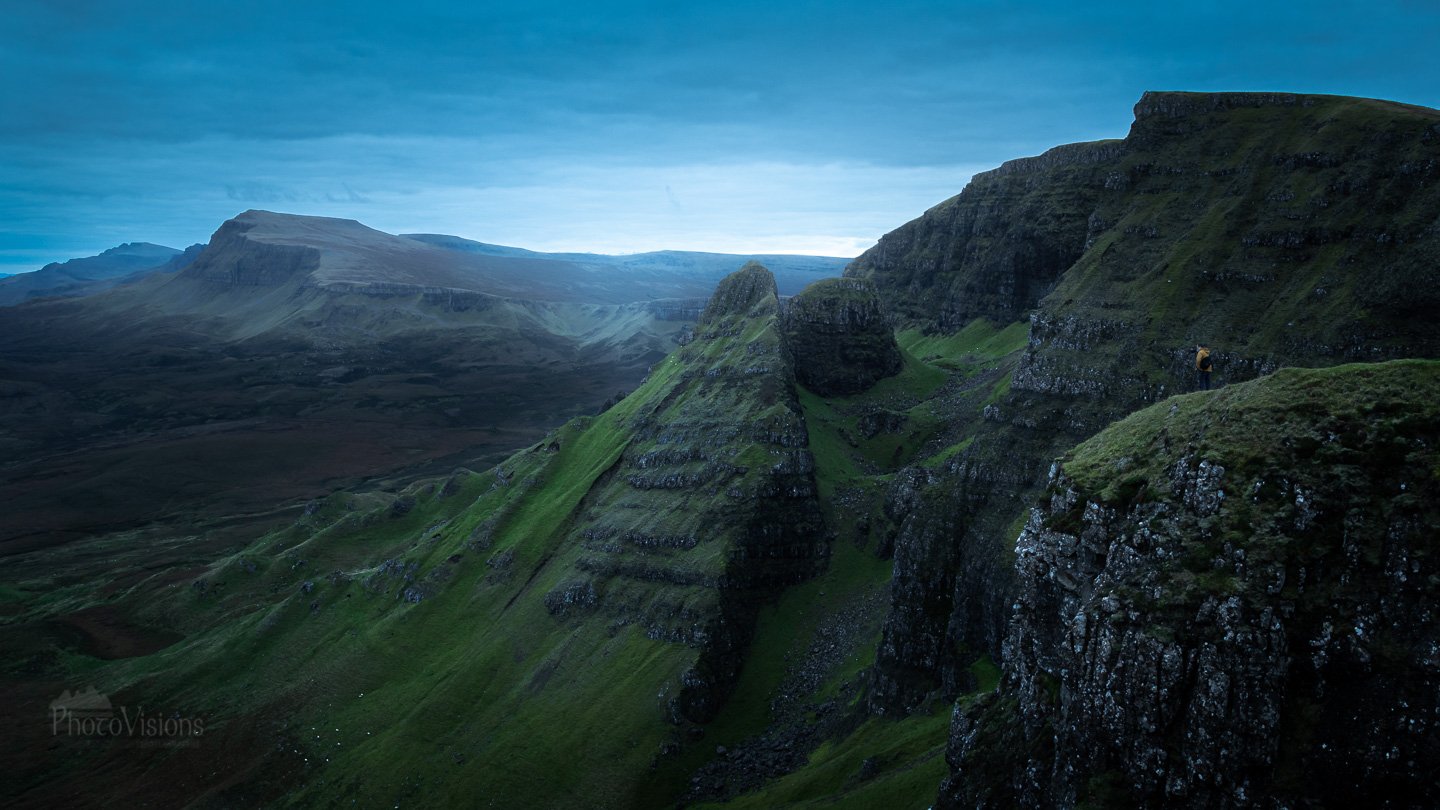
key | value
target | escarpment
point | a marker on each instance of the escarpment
(234, 259)
(996, 249)
(712, 505)
(1280, 230)
(840, 337)
(1228, 601)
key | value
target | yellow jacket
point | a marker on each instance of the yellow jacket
(1200, 360)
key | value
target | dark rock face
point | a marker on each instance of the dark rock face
(1251, 625)
(712, 507)
(234, 260)
(995, 250)
(740, 293)
(1280, 230)
(840, 338)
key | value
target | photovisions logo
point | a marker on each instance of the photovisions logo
(89, 714)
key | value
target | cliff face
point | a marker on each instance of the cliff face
(712, 505)
(232, 259)
(1280, 230)
(1228, 601)
(994, 251)
(840, 337)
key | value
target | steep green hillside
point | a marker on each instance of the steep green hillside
(551, 628)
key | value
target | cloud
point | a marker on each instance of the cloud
(159, 122)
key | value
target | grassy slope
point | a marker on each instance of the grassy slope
(852, 474)
(1243, 427)
(475, 689)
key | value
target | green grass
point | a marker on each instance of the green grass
(835, 439)
(939, 459)
(916, 380)
(909, 756)
(987, 674)
(1245, 426)
(12, 593)
(1349, 434)
(978, 342)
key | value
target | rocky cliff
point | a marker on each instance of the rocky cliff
(840, 337)
(712, 505)
(1227, 600)
(1280, 230)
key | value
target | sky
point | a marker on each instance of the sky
(615, 127)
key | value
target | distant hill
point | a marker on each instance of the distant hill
(340, 254)
(677, 267)
(88, 275)
(304, 352)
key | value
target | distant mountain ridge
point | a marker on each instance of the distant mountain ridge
(340, 253)
(335, 253)
(89, 275)
(364, 351)
(793, 272)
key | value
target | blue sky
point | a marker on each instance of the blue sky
(609, 126)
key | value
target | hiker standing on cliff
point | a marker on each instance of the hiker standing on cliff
(1203, 365)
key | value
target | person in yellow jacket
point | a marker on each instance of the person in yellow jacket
(1203, 366)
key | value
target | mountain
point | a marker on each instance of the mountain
(954, 529)
(679, 271)
(293, 354)
(86, 276)
(649, 536)
(1281, 230)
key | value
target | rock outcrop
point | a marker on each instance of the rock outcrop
(840, 337)
(1228, 601)
(712, 507)
(1280, 230)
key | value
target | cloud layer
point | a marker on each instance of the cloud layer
(801, 126)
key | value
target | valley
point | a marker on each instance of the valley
(956, 528)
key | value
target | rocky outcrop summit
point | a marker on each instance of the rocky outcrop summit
(712, 506)
(840, 337)
(1227, 601)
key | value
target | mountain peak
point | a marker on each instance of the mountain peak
(741, 292)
